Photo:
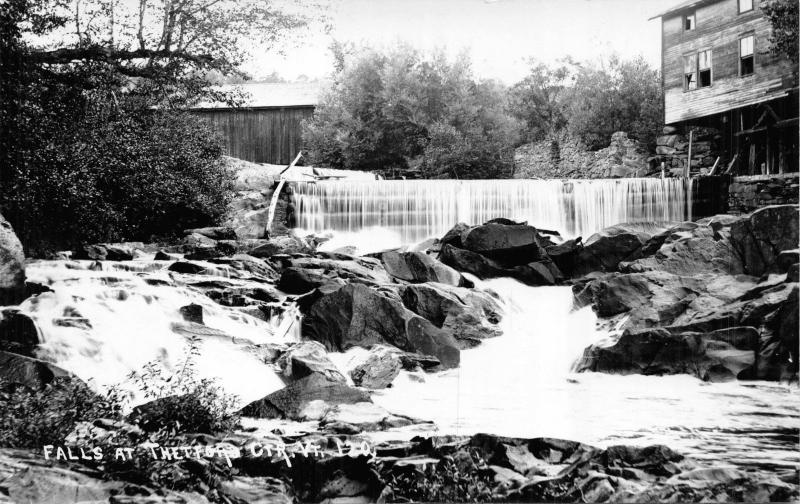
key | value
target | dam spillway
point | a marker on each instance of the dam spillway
(420, 209)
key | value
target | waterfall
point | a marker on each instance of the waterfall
(420, 209)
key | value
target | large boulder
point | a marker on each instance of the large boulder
(419, 267)
(380, 367)
(510, 244)
(357, 315)
(649, 299)
(296, 400)
(215, 233)
(104, 252)
(27, 477)
(18, 333)
(688, 249)
(281, 245)
(565, 255)
(541, 272)
(300, 281)
(32, 373)
(12, 266)
(307, 358)
(603, 251)
(720, 355)
(469, 315)
(763, 235)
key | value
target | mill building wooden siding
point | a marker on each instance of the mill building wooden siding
(719, 26)
(260, 135)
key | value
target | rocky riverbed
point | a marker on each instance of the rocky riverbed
(714, 299)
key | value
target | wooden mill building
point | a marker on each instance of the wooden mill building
(718, 71)
(267, 127)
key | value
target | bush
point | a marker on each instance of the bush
(402, 109)
(622, 96)
(182, 402)
(130, 177)
(34, 418)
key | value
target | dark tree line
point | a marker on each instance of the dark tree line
(94, 145)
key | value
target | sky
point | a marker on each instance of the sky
(499, 34)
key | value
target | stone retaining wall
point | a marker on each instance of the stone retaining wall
(748, 193)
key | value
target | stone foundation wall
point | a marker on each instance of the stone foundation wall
(672, 148)
(564, 156)
(748, 193)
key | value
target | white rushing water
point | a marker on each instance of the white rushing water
(420, 209)
(520, 384)
(130, 322)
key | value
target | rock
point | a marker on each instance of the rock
(540, 273)
(787, 259)
(18, 333)
(281, 245)
(300, 281)
(104, 252)
(380, 368)
(467, 314)
(197, 240)
(356, 315)
(34, 480)
(192, 313)
(263, 490)
(29, 372)
(221, 248)
(763, 235)
(511, 245)
(307, 358)
(717, 356)
(290, 401)
(214, 233)
(604, 251)
(565, 255)
(685, 250)
(651, 298)
(669, 130)
(186, 267)
(418, 267)
(365, 416)
(163, 256)
(12, 266)
(453, 237)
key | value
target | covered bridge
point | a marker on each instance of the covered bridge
(266, 128)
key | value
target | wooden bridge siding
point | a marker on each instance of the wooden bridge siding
(719, 28)
(268, 135)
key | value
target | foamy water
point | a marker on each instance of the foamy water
(520, 384)
(132, 324)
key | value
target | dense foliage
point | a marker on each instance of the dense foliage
(402, 109)
(783, 16)
(93, 146)
(34, 418)
(537, 100)
(591, 101)
(181, 406)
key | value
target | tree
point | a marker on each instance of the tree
(536, 100)
(618, 96)
(401, 108)
(93, 143)
(783, 16)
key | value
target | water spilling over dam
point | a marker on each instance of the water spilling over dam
(419, 209)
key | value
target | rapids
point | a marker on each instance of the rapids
(131, 314)
(518, 384)
(420, 209)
